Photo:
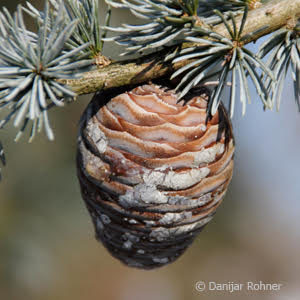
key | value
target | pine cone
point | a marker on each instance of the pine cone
(152, 171)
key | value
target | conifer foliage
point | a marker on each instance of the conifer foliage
(69, 41)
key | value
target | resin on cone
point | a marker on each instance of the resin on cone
(152, 171)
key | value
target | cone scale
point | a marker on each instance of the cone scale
(152, 171)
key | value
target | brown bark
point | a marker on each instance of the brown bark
(262, 21)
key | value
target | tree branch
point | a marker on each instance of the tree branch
(262, 21)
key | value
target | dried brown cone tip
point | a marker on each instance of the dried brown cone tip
(152, 172)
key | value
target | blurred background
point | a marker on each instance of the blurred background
(47, 244)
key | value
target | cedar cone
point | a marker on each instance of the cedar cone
(152, 171)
